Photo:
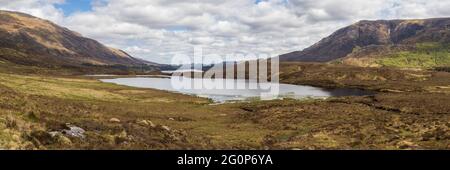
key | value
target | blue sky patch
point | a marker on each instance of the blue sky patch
(71, 6)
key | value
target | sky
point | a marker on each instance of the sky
(72, 6)
(156, 30)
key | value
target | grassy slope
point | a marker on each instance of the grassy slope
(426, 55)
(13, 61)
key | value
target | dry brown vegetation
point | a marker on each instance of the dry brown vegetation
(411, 113)
(382, 122)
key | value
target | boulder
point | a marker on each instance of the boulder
(146, 123)
(74, 131)
(165, 128)
(114, 120)
(54, 133)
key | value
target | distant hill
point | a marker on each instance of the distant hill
(27, 40)
(383, 42)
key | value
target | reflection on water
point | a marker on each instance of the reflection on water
(224, 95)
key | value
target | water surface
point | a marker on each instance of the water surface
(224, 95)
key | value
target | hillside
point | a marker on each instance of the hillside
(369, 43)
(27, 40)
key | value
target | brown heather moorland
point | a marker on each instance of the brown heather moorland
(409, 111)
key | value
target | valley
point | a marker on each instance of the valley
(47, 102)
(407, 113)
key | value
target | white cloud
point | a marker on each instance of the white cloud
(40, 8)
(157, 29)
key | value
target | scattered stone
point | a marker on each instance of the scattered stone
(223, 115)
(407, 144)
(146, 123)
(54, 133)
(172, 119)
(166, 128)
(151, 124)
(114, 120)
(74, 131)
(142, 123)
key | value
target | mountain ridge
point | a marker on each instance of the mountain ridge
(402, 34)
(28, 39)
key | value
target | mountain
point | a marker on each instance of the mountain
(376, 38)
(27, 40)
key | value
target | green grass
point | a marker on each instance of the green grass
(426, 55)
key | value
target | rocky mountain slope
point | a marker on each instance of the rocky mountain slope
(367, 39)
(27, 40)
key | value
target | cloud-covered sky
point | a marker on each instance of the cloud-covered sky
(155, 30)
